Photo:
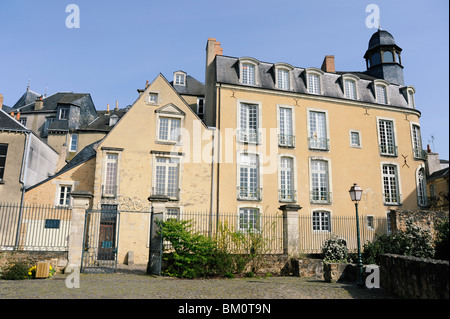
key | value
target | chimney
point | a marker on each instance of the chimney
(328, 64)
(428, 148)
(38, 104)
(1, 101)
(107, 109)
(18, 116)
(213, 48)
(117, 106)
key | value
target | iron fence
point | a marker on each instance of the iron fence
(34, 227)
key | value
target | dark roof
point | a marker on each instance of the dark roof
(192, 87)
(51, 102)
(27, 98)
(381, 37)
(227, 71)
(101, 123)
(438, 174)
(8, 123)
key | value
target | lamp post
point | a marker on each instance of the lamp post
(355, 194)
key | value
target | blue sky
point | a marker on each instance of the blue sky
(121, 44)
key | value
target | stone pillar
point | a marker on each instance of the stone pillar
(81, 202)
(290, 230)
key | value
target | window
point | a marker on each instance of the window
(64, 195)
(421, 188)
(113, 119)
(73, 142)
(52, 223)
(249, 220)
(287, 190)
(386, 137)
(350, 89)
(3, 151)
(286, 136)
(173, 213)
(23, 121)
(313, 83)
(355, 139)
(283, 79)
(180, 79)
(417, 142)
(167, 177)
(370, 222)
(248, 130)
(411, 99)
(320, 190)
(48, 121)
(63, 113)
(110, 182)
(153, 98)
(201, 107)
(318, 131)
(375, 59)
(248, 74)
(380, 93)
(321, 221)
(390, 185)
(249, 184)
(169, 129)
(388, 57)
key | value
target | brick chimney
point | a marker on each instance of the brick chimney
(38, 104)
(328, 64)
(1, 101)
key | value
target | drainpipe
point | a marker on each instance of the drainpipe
(213, 129)
(218, 100)
(22, 180)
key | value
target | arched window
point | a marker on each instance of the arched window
(421, 188)
(375, 59)
(388, 57)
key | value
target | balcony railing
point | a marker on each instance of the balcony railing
(320, 197)
(420, 153)
(286, 140)
(109, 191)
(316, 143)
(392, 198)
(248, 136)
(287, 195)
(388, 150)
(172, 194)
(249, 193)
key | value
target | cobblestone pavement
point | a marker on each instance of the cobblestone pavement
(138, 285)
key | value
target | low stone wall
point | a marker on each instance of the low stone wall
(426, 219)
(307, 267)
(57, 259)
(412, 277)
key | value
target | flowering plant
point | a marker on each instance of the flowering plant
(32, 272)
(335, 249)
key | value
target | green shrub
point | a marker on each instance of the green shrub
(18, 271)
(334, 249)
(441, 243)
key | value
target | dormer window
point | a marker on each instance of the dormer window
(349, 83)
(179, 78)
(113, 120)
(410, 91)
(380, 87)
(313, 81)
(282, 76)
(64, 113)
(248, 71)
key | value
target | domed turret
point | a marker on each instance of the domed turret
(383, 58)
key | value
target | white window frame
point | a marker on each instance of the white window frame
(179, 172)
(106, 161)
(283, 138)
(353, 145)
(293, 196)
(381, 84)
(64, 115)
(410, 96)
(258, 208)
(416, 141)
(398, 182)
(150, 101)
(283, 83)
(177, 76)
(72, 137)
(313, 138)
(243, 134)
(421, 186)
(244, 77)
(319, 74)
(394, 152)
(321, 212)
(370, 222)
(67, 197)
(329, 198)
(248, 195)
(353, 78)
(170, 118)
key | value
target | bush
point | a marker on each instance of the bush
(18, 271)
(335, 249)
(441, 244)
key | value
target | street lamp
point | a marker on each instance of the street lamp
(355, 194)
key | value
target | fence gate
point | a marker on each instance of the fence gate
(101, 238)
(156, 245)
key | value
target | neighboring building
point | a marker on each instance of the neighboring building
(305, 135)
(191, 90)
(437, 180)
(24, 159)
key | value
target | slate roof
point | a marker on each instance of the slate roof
(51, 102)
(438, 174)
(381, 37)
(192, 87)
(227, 71)
(8, 123)
(101, 123)
(27, 98)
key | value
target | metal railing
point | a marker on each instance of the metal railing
(320, 197)
(286, 140)
(316, 143)
(248, 136)
(392, 199)
(287, 195)
(172, 194)
(388, 150)
(34, 227)
(420, 153)
(249, 193)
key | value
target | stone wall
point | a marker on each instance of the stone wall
(426, 219)
(412, 277)
(57, 259)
